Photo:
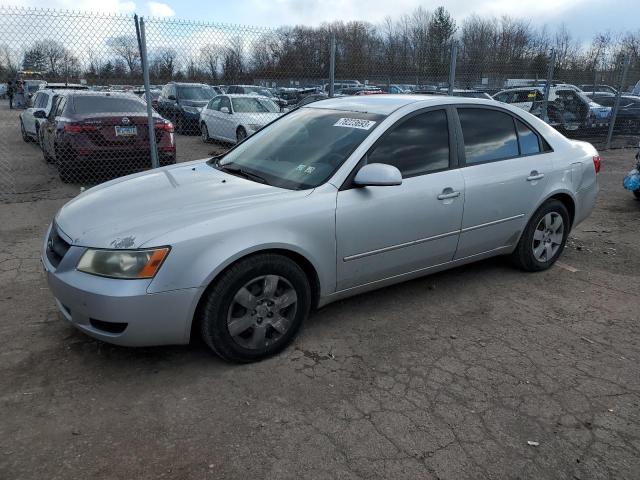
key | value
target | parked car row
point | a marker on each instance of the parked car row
(92, 136)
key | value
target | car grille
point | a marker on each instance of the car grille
(57, 247)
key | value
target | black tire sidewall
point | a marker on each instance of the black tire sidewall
(636, 193)
(523, 254)
(241, 134)
(213, 316)
(204, 132)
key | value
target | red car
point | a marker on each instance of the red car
(93, 136)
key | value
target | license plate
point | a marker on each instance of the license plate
(126, 131)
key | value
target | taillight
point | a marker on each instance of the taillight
(596, 163)
(165, 126)
(78, 128)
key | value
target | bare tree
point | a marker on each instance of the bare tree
(126, 47)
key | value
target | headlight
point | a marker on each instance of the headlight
(194, 110)
(254, 126)
(129, 264)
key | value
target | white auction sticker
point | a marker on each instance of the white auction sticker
(355, 123)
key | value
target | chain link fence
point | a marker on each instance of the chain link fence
(102, 96)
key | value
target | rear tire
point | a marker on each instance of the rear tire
(179, 124)
(25, 136)
(544, 237)
(636, 194)
(255, 308)
(66, 170)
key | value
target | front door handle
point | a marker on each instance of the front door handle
(535, 176)
(448, 193)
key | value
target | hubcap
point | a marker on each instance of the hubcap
(547, 237)
(262, 311)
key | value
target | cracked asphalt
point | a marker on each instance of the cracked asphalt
(478, 372)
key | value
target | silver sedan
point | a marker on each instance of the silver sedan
(330, 200)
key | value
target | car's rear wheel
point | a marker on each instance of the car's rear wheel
(25, 136)
(544, 238)
(204, 133)
(66, 169)
(255, 308)
(636, 193)
(178, 121)
(241, 134)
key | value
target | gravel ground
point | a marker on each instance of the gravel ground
(479, 372)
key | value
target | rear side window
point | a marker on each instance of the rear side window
(489, 135)
(104, 104)
(529, 143)
(62, 102)
(417, 146)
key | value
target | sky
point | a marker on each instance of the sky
(583, 18)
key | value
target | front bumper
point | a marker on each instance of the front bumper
(121, 312)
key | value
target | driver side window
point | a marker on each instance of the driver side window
(214, 104)
(417, 146)
(224, 102)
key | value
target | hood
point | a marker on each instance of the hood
(129, 212)
(258, 118)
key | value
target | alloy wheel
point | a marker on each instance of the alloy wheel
(548, 236)
(262, 311)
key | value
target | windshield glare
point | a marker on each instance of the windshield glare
(254, 105)
(196, 92)
(303, 148)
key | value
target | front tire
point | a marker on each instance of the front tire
(255, 308)
(204, 133)
(25, 136)
(544, 238)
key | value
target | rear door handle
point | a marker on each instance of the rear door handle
(448, 193)
(535, 176)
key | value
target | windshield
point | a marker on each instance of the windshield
(254, 105)
(104, 104)
(303, 148)
(258, 91)
(196, 92)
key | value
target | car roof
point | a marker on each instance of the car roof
(242, 95)
(188, 83)
(92, 93)
(386, 104)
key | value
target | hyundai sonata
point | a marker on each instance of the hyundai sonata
(330, 200)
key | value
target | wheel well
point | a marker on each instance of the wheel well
(300, 260)
(568, 203)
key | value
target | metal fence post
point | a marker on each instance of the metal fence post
(547, 86)
(332, 65)
(147, 95)
(616, 105)
(452, 67)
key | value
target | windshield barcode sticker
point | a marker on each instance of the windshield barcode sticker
(355, 123)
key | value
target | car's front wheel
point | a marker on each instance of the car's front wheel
(255, 308)
(544, 238)
(25, 137)
(204, 133)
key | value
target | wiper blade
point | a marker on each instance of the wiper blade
(242, 172)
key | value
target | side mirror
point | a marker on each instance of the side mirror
(225, 110)
(378, 175)
(39, 114)
(171, 97)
